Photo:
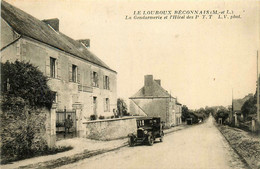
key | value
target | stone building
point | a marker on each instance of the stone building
(153, 100)
(80, 79)
(237, 105)
(178, 113)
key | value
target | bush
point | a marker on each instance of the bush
(23, 80)
(101, 117)
(25, 96)
(93, 117)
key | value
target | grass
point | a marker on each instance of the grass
(49, 151)
(246, 144)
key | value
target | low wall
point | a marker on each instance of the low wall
(109, 129)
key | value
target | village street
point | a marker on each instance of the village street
(200, 146)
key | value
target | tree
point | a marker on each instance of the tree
(24, 92)
(121, 107)
(25, 81)
(249, 107)
(185, 113)
(222, 113)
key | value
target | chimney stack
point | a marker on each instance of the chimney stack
(148, 80)
(85, 42)
(54, 23)
(158, 81)
(148, 85)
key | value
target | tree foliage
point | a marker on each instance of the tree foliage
(24, 97)
(122, 107)
(185, 113)
(23, 80)
(249, 107)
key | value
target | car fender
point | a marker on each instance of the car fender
(132, 135)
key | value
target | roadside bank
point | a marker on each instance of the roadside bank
(246, 145)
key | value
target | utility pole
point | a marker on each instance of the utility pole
(257, 94)
(232, 109)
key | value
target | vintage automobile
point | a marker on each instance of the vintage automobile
(148, 129)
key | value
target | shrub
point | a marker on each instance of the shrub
(93, 117)
(121, 107)
(101, 117)
(25, 96)
(23, 80)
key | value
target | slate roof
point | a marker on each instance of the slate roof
(29, 26)
(157, 92)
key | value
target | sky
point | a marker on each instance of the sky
(199, 61)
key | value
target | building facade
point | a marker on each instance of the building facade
(79, 78)
(178, 113)
(152, 100)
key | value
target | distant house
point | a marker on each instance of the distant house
(80, 79)
(238, 103)
(153, 100)
(178, 110)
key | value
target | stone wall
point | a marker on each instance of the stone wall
(109, 129)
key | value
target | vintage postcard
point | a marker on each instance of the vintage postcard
(130, 84)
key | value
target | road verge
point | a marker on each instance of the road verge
(246, 145)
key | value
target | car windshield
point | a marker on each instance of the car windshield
(147, 122)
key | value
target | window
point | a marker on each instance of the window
(95, 79)
(52, 67)
(106, 82)
(74, 73)
(56, 98)
(107, 105)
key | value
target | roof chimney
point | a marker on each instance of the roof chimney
(54, 23)
(148, 85)
(158, 81)
(85, 42)
(148, 80)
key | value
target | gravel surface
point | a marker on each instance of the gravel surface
(201, 146)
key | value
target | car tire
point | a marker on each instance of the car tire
(150, 140)
(161, 139)
(131, 141)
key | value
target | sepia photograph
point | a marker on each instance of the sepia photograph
(158, 84)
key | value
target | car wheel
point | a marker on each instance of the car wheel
(150, 140)
(161, 139)
(131, 141)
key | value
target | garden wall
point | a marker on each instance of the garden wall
(109, 129)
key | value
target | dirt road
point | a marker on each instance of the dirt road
(200, 146)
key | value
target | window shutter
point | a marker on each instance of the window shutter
(104, 82)
(91, 78)
(58, 65)
(108, 83)
(108, 105)
(70, 72)
(97, 80)
(104, 104)
(58, 98)
(47, 66)
(78, 75)
(110, 88)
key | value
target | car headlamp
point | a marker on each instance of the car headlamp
(145, 132)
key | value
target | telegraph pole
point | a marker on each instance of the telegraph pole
(232, 109)
(257, 94)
